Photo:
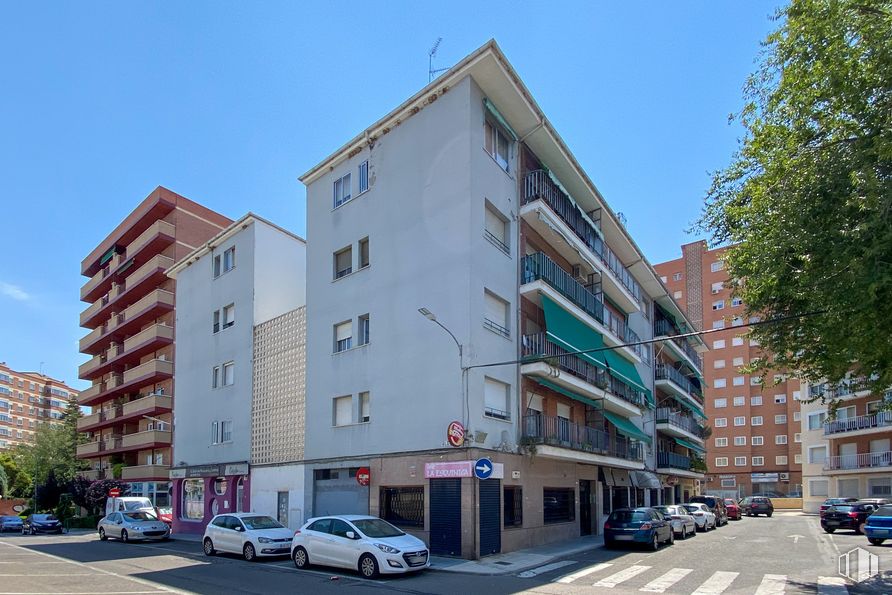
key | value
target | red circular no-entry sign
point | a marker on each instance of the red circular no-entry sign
(363, 476)
(114, 493)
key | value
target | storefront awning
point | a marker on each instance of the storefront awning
(693, 408)
(689, 444)
(646, 480)
(567, 393)
(615, 477)
(571, 334)
(626, 427)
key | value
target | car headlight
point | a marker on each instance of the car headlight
(264, 540)
(386, 548)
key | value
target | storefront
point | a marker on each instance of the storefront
(203, 491)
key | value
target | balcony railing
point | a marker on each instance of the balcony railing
(539, 266)
(538, 346)
(880, 419)
(145, 472)
(842, 388)
(673, 460)
(146, 438)
(867, 460)
(558, 431)
(681, 421)
(156, 229)
(663, 327)
(667, 372)
(537, 185)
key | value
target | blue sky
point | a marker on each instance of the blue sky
(227, 103)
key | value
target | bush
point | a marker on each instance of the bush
(83, 522)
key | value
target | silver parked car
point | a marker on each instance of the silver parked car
(136, 524)
(682, 521)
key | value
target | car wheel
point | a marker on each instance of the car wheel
(102, 535)
(124, 536)
(33, 532)
(768, 514)
(860, 528)
(829, 530)
(875, 540)
(609, 544)
(671, 539)
(209, 547)
(368, 566)
(249, 553)
(300, 557)
(655, 544)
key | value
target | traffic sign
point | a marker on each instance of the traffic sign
(114, 493)
(363, 476)
(483, 468)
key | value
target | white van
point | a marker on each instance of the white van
(130, 504)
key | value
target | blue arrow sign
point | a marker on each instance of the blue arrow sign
(483, 468)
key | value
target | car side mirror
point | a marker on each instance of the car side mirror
(351, 535)
(240, 529)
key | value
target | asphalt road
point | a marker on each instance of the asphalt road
(786, 553)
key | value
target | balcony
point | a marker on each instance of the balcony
(147, 439)
(146, 473)
(98, 285)
(671, 460)
(678, 347)
(93, 474)
(874, 423)
(150, 372)
(149, 307)
(88, 449)
(845, 389)
(151, 273)
(679, 424)
(91, 393)
(579, 376)
(676, 383)
(538, 186)
(879, 461)
(152, 240)
(539, 267)
(555, 433)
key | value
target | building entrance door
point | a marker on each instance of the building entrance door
(585, 507)
(445, 511)
(490, 516)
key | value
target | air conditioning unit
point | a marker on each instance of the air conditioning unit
(577, 273)
(785, 477)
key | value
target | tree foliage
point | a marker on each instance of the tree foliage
(18, 480)
(97, 493)
(806, 203)
(54, 450)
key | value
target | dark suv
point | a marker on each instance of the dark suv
(716, 505)
(756, 505)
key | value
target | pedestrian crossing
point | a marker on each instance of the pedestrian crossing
(647, 579)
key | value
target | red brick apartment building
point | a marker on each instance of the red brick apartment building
(28, 400)
(130, 342)
(755, 443)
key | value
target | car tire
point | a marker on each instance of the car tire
(609, 544)
(829, 530)
(300, 558)
(671, 540)
(33, 532)
(655, 544)
(208, 547)
(102, 535)
(368, 566)
(875, 540)
(768, 515)
(860, 528)
(124, 536)
(249, 553)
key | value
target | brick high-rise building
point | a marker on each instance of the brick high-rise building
(131, 340)
(28, 400)
(755, 441)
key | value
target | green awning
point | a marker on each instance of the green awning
(624, 370)
(107, 256)
(626, 427)
(690, 445)
(571, 334)
(497, 115)
(567, 393)
(693, 408)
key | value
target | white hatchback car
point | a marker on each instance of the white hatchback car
(364, 543)
(703, 517)
(246, 533)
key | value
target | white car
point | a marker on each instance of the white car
(135, 524)
(364, 543)
(246, 533)
(703, 517)
(682, 521)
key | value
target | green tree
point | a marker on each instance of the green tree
(54, 449)
(4, 482)
(806, 203)
(19, 481)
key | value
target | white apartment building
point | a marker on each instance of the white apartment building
(250, 273)
(464, 209)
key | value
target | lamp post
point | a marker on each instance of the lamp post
(461, 363)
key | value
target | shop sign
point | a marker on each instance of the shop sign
(363, 476)
(235, 469)
(177, 474)
(455, 433)
(760, 477)
(449, 469)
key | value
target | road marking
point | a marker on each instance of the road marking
(717, 583)
(772, 584)
(621, 576)
(584, 572)
(667, 580)
(546, 568)
(79, 592)
(832, 585)
(796, 538)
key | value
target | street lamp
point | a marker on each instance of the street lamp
(464, 370)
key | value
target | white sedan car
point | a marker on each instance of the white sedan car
(364, 543)
(703, 517)
(248, 534)
(683, 523)
(136, 524)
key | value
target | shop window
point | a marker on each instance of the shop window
(193, 499)
(513, 507)
(404, 507)
(220, 486)
(558, 505)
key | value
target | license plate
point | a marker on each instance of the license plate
(832, 523)
(624, 537)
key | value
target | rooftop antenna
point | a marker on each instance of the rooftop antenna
(431, 71)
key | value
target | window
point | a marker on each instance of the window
(496, 143)
(738, 381)
(780, 419)
(739, 440)
(757, 420)
(739, 401)
(716, 266)
(879, 486)
(817, 454)
(780, 439)
(676, 295)
(739, 461)
(740, 421)
(228, 315)
(729, 482)
(217, 266)
(718, 305)
(736, 341)
(228, 373)
(193, 499)
(364, 412)
(816, 420)
(226, 431)
(216, 321)
(215, 432)
(343, 262)
(721, 422)
(513, 507)
(721, 461)
(718, 364)
(495, 317)
(720, 383)
(558, 505)
(720, 403)
(343, 336)
(738, 361)
(755, 381)
(720, 344)
(342, 411)
(363, 253)
(676, 276)
(778, 399)
(818, 487)
(215, 377)
(797, 395)
(737, 321)
(797, 459)
(758, 461)
(757, 440)
(780, 460)
(496, 228)
(797, 415)
(720, 442)
(228, 259)
(363, 176)
(495, 399)
(342, 189)
(736, 302)
(718, 323)
(717, 287)
(403, 506)
(364, 329)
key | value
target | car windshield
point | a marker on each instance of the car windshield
(883, 511)
(136, 505)
(254, 523)
(377, 528)
(760, 499)
(44, 517)
(693, 508)
(139, 515)
(626, 516)
(663, 509)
